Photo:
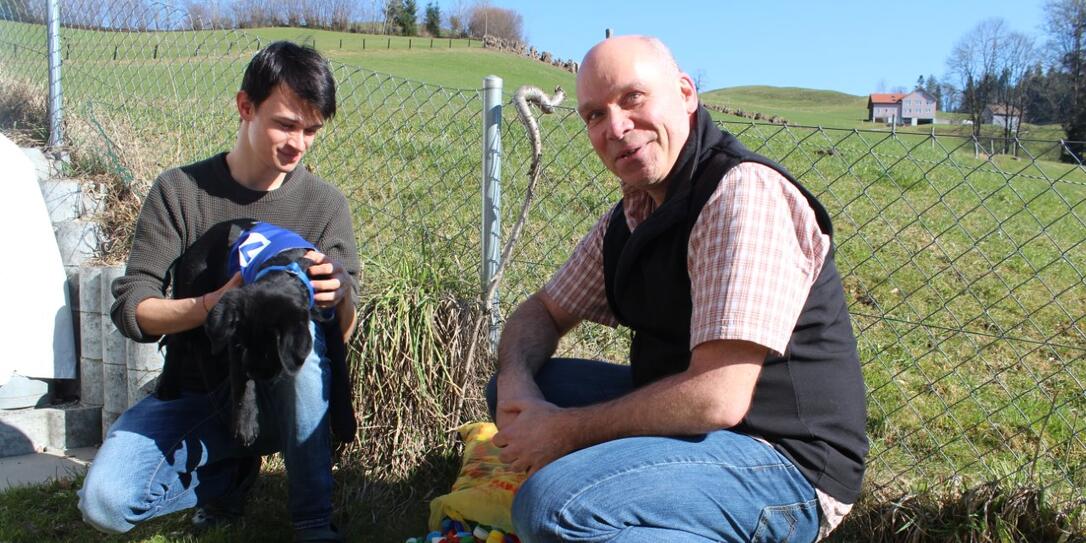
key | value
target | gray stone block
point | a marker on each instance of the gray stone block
(75, 426)
(114, 387)
(108, 418)
(72, 426)
(141, 383)
(63, 198)
(144, 366)
(78, 241)
(91, 383)
(91, 313)
(108, 274)
(42, 168)
(144, 356)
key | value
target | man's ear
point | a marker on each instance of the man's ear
(294, 344)
(222, 321)
(246, 107)
(689, 91)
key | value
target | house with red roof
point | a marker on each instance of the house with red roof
(916, 107)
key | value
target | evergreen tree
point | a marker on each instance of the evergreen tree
(407, 18)
(433, 20)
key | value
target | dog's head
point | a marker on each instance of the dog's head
(265, 324)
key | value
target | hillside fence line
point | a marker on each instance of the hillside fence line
(965, 271)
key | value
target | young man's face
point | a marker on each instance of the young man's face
(280, 130)
(637, 109)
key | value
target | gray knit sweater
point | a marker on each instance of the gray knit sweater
(184, 202)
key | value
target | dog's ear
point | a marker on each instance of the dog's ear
(294, 344)
(222, 321)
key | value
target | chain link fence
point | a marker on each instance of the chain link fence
(964, 270)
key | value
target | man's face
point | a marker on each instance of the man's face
(281, 129)
(637, 108)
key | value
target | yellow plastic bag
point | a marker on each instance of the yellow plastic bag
(484, 489)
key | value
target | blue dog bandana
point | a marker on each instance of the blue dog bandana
(261, 242)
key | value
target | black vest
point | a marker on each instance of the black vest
(809, 403)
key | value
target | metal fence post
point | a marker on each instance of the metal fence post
(491, 196)
(56, 136)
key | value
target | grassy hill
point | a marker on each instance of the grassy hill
(440, 61)
(807, 107)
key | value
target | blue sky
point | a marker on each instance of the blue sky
(841, 45)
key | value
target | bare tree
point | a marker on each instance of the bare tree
(486, 20)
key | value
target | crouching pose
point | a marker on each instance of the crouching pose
(740, 416)
(176, 449)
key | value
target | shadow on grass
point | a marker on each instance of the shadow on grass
(368, 508)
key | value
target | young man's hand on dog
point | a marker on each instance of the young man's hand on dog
(331, 287)
(160, 316)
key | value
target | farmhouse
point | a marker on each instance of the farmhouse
(916, 107)
(1001, 115)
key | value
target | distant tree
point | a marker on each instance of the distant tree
(458, 17)
(433, 20)
(699, 79)
(932, 87)
(1066, 28)
(991, 61)
(392, 16)
(407, 18)
(485, 20)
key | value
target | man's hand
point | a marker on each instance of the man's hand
(331, 282)
(533, 433)
(209, 300)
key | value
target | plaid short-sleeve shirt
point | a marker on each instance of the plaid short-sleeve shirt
(753, 255)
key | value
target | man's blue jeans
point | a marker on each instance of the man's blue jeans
(721, 486)
(165, 456)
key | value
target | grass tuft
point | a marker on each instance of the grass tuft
(991, 512)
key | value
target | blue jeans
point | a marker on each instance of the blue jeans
(721, 486)
(165, 456)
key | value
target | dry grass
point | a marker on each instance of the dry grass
(23, 114)
(992, 512)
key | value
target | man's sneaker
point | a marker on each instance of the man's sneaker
(231, 506)
(323, 534)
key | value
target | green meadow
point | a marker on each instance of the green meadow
(964, 270)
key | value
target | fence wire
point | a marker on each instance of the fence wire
(964, 270)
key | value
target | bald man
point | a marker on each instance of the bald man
(740, 416)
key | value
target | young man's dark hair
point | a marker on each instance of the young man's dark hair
(302, 68)
(174, 450)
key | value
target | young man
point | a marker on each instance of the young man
(171, 452)
(741, 414)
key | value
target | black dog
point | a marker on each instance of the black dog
(262, 330)
(257, 331)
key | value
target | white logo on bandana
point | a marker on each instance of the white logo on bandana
(251, 247)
